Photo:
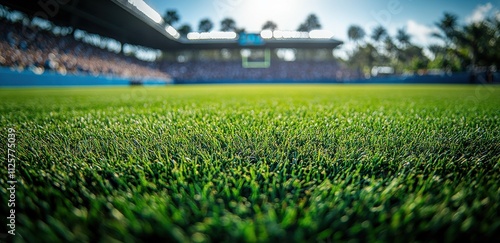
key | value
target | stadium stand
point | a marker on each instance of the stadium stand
(278, 70)
(41, 51)
(36, 51)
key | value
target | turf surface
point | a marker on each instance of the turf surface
(255, 163)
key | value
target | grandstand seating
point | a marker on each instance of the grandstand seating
(42, 51)
(279, 70)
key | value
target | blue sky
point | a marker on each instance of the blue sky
(417, 16)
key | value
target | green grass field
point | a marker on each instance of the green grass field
(254, 163)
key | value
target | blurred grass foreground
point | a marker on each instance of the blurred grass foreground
(255, 163)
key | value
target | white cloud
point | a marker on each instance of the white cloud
(479, 13)
(420, 33)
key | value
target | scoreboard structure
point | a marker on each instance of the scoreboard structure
(254, 58)
(256, 48)
(250, 39)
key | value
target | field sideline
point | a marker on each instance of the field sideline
(254, 163)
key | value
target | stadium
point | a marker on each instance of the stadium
(120, 124)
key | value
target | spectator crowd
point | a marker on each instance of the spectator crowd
(24, 48)
(278, 70)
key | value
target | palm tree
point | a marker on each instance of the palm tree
(448, 33)
(436, 49)
(171, 16)
(379, 33)
(239, 31)
(269, 25)
(356, 33)
(448, 27)
(303, 27)
(390, 48)
(205, 25)
(403, 37)
(476, 37)
(184, 29)
(311, 23)
(228, 24)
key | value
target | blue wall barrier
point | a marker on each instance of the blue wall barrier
(11, 78)
(456, 78)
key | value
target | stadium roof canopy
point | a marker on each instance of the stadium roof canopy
(134, 22)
